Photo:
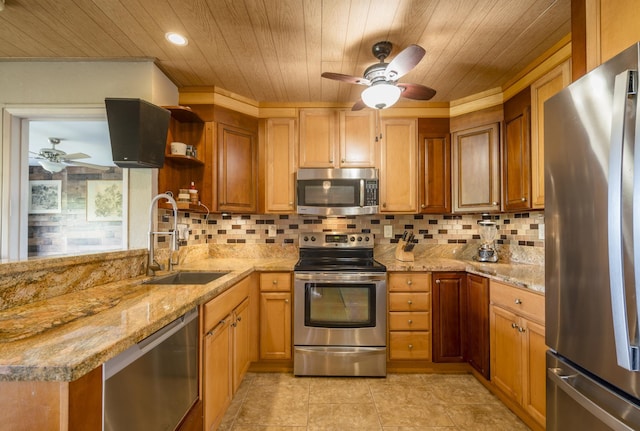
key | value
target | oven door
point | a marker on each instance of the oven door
(340, 309)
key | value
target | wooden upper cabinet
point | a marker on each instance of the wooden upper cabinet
(337, 139)
(476, 169)
(357, 139)
(541, 90)
(187, 126)
(237, 176)
(280, 165)
(434, 165)
(398, 166)
(318, 138)
(516, 152)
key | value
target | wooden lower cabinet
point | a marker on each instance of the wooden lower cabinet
(409, 319)
(518, 349)
(476, 351)
(275, 315)
(226, 349)
(216, 379)
(449, 316)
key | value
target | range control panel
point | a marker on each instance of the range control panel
(336, 240)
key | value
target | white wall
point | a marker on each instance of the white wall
(43, 86)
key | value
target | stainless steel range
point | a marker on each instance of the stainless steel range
(340, 306)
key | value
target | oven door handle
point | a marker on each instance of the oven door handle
(338, 351)
(340, 277)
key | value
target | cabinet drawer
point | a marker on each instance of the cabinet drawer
(275, 281)
(410, 301)
(410, 281)
(410, 345)
(519, 300)
(409, 321)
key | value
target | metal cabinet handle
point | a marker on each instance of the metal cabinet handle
(342, 161)
(286, 301)
(409, 282)
(523, 199)
(239, 318)
(409, 302)
(495, 203)
(410, 346)
(521, 329)
(518, 301)
(384, 205)
(514, 326)
(290, 204)
(409, 321)
(423, 206)
(438, 281)
(275, 281)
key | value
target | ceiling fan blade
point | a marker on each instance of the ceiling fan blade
(87, 165)
(416, 91)
(73, 156)
(346, 78)
(402, 63)
(358, 106)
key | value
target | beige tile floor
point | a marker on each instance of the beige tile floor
(399, 402)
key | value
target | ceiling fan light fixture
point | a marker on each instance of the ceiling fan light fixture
(381, 96)
(176, 39)
(50, 166)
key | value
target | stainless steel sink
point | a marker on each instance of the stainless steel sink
(187, 277)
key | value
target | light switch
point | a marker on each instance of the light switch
(388, 231)
(272, 231)
(541, 231)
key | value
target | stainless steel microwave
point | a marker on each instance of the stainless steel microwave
(348, 191)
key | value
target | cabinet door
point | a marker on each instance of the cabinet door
(449, 326)
(516, 152)
(357, 139)
(241, 342)
(534, 370)
(541, 90)
(435, 174)
(434, 165)
(216, 368)
(506, 352)
(275, 325)
(477, 336)
(281, 163)
(318, 138)
(237, 169)
(398, 166)
(476, 169)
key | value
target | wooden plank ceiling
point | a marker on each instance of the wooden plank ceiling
(275, 50)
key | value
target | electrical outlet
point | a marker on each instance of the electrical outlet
(388, 231)
(272, 231)
(541, 231)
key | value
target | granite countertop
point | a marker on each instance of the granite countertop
(64, 337)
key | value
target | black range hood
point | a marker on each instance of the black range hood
(138, 132)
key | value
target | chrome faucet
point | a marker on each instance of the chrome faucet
(153, 265)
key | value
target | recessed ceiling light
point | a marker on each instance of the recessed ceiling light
(176, 39)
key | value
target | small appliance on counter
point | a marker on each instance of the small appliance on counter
(487, 250)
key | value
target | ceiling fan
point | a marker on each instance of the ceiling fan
(55, 160)
(381, 79)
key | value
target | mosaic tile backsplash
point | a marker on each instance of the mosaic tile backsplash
(519, 229)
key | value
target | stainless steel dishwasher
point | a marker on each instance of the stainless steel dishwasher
(152, 385)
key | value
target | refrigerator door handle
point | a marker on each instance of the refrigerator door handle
(568, 384)
(626, 354)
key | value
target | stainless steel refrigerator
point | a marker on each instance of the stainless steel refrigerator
(592, 257)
